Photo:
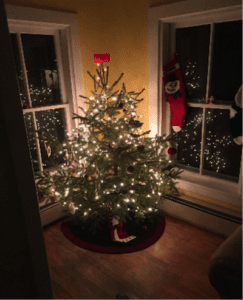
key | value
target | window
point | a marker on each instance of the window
(46, 48)
(210, 57)
(202, 33)
(42, 97)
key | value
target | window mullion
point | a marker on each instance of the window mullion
(210, 59)
(26, 83)
(60, 67)
(44, 108)
(203, 141)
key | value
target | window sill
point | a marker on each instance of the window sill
(221, 192)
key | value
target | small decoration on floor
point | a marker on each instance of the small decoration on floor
(117, 233)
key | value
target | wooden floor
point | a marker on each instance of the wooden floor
(175, 267)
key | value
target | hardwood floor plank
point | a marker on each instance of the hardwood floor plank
(59, 292)
(175, 267)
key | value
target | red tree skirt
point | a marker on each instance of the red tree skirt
(147, 236)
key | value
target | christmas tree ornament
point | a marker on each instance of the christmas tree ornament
(140, 148)
(111, 172)
(211, 100)
(73, 174)
(89, 178)
(130, 169)
(120, 105)
(236, 118)
(172, 151)
(175, 93)
(72, 209)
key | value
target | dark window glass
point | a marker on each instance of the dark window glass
(227, 60)
(189, 138)
(53, 121)
(222, 154)
(192, 47)
(31, 139)
(19, 73)
(41, 66)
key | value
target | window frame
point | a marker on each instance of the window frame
(161, 28)
(65, 29)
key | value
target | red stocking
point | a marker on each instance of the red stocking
(175, 93)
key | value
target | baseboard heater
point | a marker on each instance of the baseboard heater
(207, 210)
(206, 217)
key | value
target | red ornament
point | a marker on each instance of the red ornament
(172, 151)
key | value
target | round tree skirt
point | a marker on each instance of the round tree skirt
(144, 234)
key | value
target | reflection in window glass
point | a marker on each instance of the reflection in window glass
(31, 139)
(227, 60)
(41, 66)
(53, 121)
(222, 154)
(22, 89)
(192, 47)
(189, 138)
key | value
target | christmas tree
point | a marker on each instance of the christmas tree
(111, 165)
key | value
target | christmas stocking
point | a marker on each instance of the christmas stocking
(175, 93)
(236, 118)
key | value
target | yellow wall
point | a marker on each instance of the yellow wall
(118, 27)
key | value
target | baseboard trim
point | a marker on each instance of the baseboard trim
(210, 219)
(51, 214)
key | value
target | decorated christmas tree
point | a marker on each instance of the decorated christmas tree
(111, 166)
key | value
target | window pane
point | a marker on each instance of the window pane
(222, 154)
(53, 121)
(19, 73)
(41, 65)
(192, 47)
(189, 138)
(227, 60)
(31, 139)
